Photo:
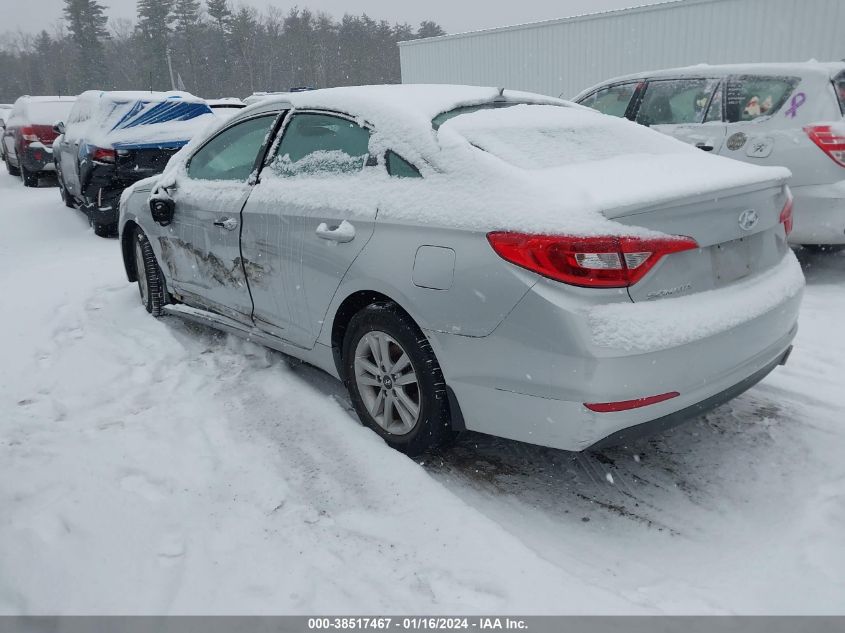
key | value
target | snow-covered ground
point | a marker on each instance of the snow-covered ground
(151, 466)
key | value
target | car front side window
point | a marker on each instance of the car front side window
(231, 155)
(314, 144)
(612, 100)
(676, 101)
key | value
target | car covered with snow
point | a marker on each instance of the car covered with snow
(109, 140)
(765, 114)
(471, 258)
(28, 135)
(5, 110)
(225, 106)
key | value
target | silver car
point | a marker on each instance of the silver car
(765, 114)
(471, 258)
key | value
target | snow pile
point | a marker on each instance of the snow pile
(655, 325)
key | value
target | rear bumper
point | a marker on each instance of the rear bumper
(37, 159)
(101, 192)
(529, 380)
(819, 214)
(659, 425)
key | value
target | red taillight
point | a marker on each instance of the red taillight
(829, 141)
(626, 405)
(103, 155)
(591, 262)
(28, 134)
(786, 213)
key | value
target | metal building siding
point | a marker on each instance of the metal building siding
(562, 57)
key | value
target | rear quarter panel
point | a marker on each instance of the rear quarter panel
(483, 291)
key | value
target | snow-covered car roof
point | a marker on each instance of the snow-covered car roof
(225, 102)
(538, 163)
(137, 118)
(825, 70)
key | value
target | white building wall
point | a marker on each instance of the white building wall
(562, 57)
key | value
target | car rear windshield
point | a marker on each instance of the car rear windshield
(48, 112)
(546, 136)
(441, 118)
(151, 112)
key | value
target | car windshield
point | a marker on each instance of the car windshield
(543, 136)
(48, 112)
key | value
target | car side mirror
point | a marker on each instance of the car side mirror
(59, 127)
(162, 210)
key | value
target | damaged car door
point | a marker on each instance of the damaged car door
(306, 221)
(202, 249)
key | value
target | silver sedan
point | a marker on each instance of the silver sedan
(472, 258)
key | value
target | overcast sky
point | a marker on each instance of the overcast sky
(453, 15)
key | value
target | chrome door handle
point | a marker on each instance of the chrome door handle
(230, 224)
(343, 232)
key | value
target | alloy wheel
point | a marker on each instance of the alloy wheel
(387, 382)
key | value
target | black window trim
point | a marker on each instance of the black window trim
(261, 152)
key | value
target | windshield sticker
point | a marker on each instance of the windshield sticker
(797, 101)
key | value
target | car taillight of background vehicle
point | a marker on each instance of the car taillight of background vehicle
(38, 134)
(830, 141)
(103, 155)
(590, 262)
(786, 213)
(28, 134)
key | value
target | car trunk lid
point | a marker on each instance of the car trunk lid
(738, 231)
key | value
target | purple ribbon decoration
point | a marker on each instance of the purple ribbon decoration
(797, 101)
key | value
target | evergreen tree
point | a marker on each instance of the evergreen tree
(86, 24)
(429, 29)
(187, 36)
(220, 14)
(153, 32)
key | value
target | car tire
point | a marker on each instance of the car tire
(402, 397)
(65, 194)
(29, 179)
(151, 285)
(104, 230)
(13, 171)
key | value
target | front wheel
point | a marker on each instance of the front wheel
(394, 380)
(150, 280)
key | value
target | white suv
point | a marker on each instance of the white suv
(767, 114)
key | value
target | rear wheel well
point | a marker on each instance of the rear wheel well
(353, 304)
(126, 237)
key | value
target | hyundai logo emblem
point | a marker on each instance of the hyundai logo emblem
(748, 219)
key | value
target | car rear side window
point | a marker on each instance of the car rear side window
(231, 155)
(321, 144)
(748, 97)
(676, 101)
(399, 167)
(839, 86)
(612, 100)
